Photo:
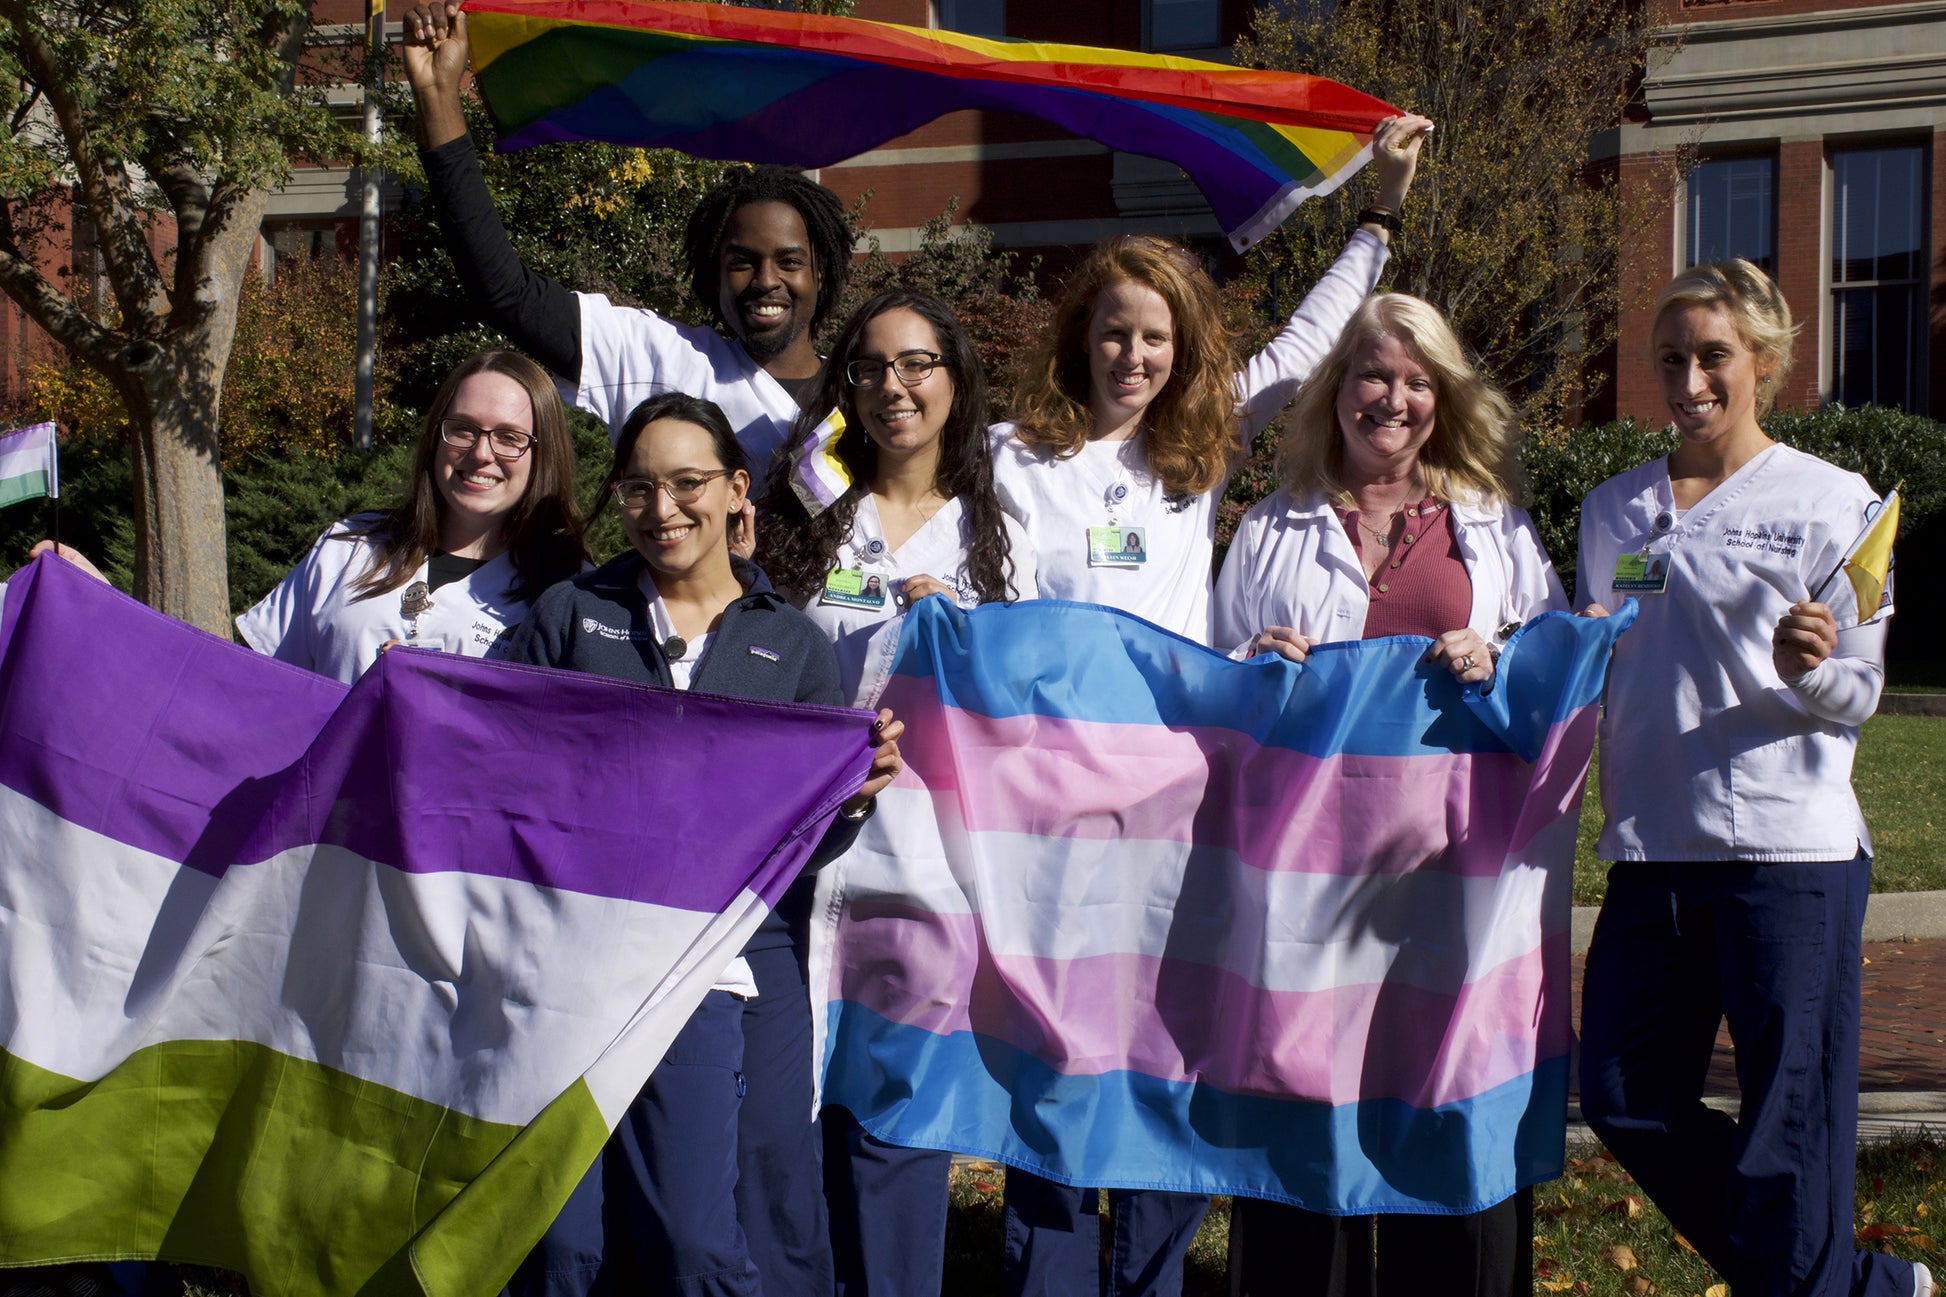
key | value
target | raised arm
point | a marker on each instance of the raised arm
(1271, 379)
(539, 314)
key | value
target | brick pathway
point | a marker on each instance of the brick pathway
(1902, 1043)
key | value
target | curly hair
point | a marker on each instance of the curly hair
(543, 532)
(1473, 453)
(1755, 306)
(1190, 428)
(824, 221)
(798, 551)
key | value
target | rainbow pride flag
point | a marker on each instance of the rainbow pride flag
(1139, 915)
(757, 85)
(344, 988)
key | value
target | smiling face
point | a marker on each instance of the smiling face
(479, 488)
(675, 538)
(904, 419)
(1385, 410)
(1708, 373)
(1131, 350)
(767, 283)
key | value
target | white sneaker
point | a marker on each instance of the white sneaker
(1921, 1280)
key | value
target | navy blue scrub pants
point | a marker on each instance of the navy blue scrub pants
(1053, 1239)
(1277, 1250)
(1774, 948)
(780, 1150)
(712, 1185)
(888, 1211)
(657, 1212)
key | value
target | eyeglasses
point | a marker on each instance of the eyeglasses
(911, 367)
(637, 492)
(508, 443)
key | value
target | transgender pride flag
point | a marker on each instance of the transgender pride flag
(1139, 915)
(344, 988)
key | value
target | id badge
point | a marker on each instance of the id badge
(849, 587)
(1117, 546)
(1643, 573)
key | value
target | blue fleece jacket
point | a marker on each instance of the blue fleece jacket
(763, 649)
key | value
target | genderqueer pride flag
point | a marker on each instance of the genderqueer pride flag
(803, 90)
(29, 466)
(343, 988)
(1139, 915)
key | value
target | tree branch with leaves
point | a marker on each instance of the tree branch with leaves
(164, 123)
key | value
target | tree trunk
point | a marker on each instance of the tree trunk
(181, 549)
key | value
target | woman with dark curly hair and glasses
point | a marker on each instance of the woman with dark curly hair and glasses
(919, 518)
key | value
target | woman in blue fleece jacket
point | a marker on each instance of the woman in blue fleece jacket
(722, 1137)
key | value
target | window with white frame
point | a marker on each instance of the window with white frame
(1182, 24)
(1878, 272)
(1731, 211)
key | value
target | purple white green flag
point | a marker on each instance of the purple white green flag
(29, 467)
(343, 988)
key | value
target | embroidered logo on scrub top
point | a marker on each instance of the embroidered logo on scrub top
(1760, 537)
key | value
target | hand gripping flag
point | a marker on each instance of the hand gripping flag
(344, 988)
(757, 85)
(1140, 915)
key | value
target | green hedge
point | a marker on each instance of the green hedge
(1888, 447)
(276, 508)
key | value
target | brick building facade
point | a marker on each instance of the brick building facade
(1817, 128)
(1816, 124)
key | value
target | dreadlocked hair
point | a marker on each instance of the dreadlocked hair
(824, 221)
(798, 551)
(1189, 430)
(543, 531)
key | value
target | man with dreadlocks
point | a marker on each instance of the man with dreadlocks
(767, 253)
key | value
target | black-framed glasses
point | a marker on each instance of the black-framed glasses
(507, 443)
(686, 488)
(911, 367)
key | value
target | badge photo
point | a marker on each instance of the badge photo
(1644, 573)
(1117, 546)
(853, 588)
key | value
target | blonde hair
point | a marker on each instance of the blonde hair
(1472, 453)
(1189, 429)
(1756, 308)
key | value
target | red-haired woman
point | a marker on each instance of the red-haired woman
(1129, 420)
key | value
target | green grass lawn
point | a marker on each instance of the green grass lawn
(1594, 1231)
(1900, 775)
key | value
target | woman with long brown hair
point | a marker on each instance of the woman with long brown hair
(489, 521)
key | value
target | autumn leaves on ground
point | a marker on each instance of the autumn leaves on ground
(1594, 1231)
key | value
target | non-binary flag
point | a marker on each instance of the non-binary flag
(803, 90)
(819, 478)
(1139, 915)
(344, 987)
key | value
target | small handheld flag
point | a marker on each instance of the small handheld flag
(818, 476)
(1869, 560)
(29, 469)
